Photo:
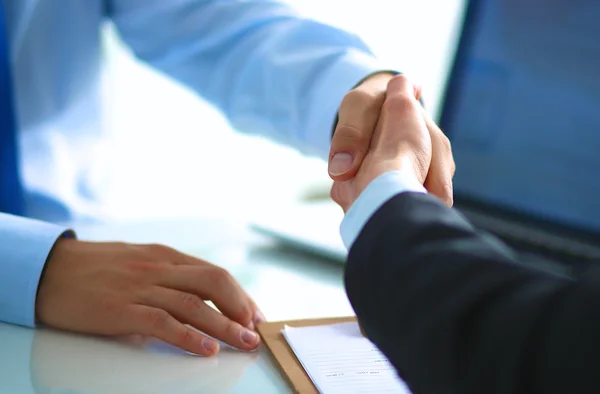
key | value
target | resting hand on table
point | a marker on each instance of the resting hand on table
(121, 289)
(402, 140)
(360, 113)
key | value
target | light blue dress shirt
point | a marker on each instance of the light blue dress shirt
(269, 70)
(377, 193)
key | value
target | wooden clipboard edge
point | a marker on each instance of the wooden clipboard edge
(284, 356)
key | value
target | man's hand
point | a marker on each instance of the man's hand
(122, 289)
(359, 114)
(402, 140)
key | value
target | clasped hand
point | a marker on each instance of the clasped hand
(382, 128)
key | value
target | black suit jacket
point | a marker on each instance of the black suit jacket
(456, 312)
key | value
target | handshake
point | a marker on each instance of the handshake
(119, 289)
(403, 138)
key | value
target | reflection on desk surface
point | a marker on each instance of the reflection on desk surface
(47, 361)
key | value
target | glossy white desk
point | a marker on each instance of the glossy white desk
(285, 284)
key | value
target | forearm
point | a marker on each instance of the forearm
(452, 308)
(269, 70)
(25, 245)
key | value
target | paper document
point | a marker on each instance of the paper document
(339, 359)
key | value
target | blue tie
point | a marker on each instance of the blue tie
(11, 192)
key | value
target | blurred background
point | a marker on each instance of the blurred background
(175, 156)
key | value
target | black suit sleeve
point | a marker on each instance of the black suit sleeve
(455, 311)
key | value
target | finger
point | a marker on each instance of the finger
(400, 87)
(241, 315)
(442, 167)
(191, 309)
(259, 317)
(357, 118)
(160, 324)
(213, 283)
(401, 126)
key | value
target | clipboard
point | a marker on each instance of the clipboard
(272, 337)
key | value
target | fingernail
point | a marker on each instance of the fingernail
(340, 163)
(259, 318)
(210, 345)
(249, 337)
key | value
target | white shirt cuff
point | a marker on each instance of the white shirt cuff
(379, 191)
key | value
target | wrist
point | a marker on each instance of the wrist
(66, 238)
(403, 165)
(57, 253)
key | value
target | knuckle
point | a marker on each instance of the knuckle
(349, 134)
(158, 249)
(440, 137)
(191, 302)
(399, 104)
(156, 319)
(219, 276)
(243, 315)
(232, 329)
(334, 193)
(446, 143)
(337, 195)
(186, 337)
(448, 192)
(124, 245)
(400, 78)
(111, 306)
(144, 270)
(398, 81)
(447, 150)
(357, 98)
(364, 104)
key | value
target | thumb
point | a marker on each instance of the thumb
(357, 118)
(352, 136)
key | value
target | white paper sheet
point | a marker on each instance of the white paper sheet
(339, 359)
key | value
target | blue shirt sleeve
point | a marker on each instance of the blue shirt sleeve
(377, 193)
(270, 70)
(25, 245)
